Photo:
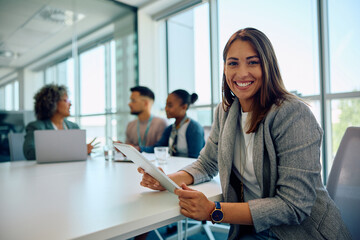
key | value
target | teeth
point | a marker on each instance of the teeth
(243, 84)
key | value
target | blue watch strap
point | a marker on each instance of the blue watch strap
(217, 205)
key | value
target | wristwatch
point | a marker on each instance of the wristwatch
(217, 215)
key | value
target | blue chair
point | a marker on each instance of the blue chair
(344, 180)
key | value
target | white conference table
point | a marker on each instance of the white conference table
(93, 199)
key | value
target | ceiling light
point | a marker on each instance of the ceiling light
(59, 16)
(6, 53)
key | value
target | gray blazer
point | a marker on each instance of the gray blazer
(29, 143)
(294, 203)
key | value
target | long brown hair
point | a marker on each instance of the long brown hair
(272, 90)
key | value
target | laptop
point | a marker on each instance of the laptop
(60, 145)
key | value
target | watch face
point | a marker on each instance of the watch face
(217, 215)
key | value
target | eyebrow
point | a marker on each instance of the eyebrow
(247, 58)
(255, 56)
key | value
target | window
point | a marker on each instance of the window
(292, 29)
(99, 92)
(344, 34)
(9, 96)
(188, 56)
(343, 90)
(92, 81)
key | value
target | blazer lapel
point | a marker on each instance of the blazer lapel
(48, 124)
(258, 159)
(226, 145)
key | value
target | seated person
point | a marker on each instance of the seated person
(147, 129)
(52, 106)
(186, 136)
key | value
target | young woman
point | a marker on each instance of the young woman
(185, 137)
(265, 145)
(52, 107)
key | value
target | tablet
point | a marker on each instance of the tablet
(145, 164)
(119, 157)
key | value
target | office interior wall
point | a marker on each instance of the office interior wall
(152, 59)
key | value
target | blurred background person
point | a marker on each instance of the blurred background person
(186, 136)
(147, 129)
(52, 107)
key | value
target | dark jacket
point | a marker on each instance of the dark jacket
(194, 139)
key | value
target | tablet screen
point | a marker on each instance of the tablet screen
(145, 164)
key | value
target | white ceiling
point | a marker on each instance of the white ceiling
(27, 37)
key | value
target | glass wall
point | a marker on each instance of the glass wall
(102, 69)
(99, 75)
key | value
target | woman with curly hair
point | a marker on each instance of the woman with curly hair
(52, 106)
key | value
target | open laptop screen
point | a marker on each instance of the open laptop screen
(60, 145)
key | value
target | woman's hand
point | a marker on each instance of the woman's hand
(150, 182)
(194, 204)
(90, 146)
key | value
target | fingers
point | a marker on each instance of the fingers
(93, 140)
(185, 187)
(193, 204)
(149, 182)
(186, 192)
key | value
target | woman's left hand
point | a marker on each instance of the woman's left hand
(194, 204)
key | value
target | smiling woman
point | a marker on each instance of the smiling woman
(265, 146)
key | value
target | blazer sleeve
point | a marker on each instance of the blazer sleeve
(164, 141)
(195, 139)
(292, 138)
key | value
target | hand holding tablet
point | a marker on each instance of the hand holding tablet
(148, 167)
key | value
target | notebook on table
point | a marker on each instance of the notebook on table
(60, 145)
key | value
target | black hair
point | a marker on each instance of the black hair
(185, 97)
(144, 91)
(46, 100)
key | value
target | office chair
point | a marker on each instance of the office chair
(344, 180)
(16, 141)
(198, 227)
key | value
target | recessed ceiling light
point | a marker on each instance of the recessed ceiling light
(6, 53)
(55, 15)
